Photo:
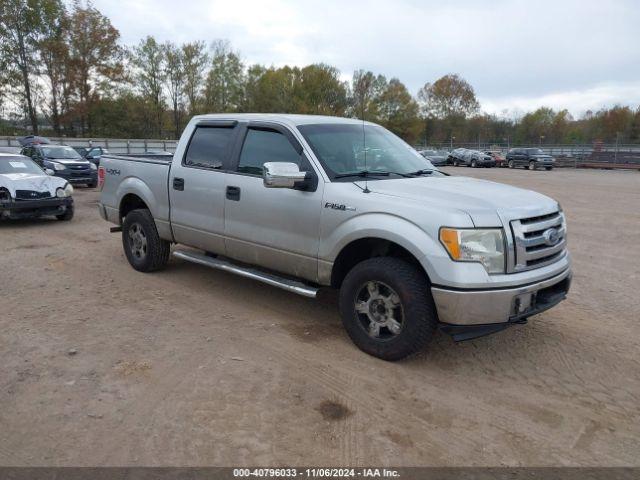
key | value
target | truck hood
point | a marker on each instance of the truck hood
(31, 181)
(482, 200)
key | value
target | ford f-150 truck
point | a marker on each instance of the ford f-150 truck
(304, 202)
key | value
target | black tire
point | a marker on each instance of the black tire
(67, 215)
(456, 163)
(92, 185)
(532, 165)
(415, 304)
(151, 253)
(474, 164)
(548, 168)
(510, 164)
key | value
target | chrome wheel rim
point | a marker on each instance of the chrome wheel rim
(137, 241)
(379, 310)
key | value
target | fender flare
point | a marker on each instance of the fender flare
(396, 229)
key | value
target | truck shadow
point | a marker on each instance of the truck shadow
(314, 321)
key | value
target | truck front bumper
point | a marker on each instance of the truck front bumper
(467, 311)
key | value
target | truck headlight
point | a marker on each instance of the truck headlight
(485, 246)
(57, 166)
(92, 166)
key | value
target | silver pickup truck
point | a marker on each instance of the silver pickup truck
(304, 202)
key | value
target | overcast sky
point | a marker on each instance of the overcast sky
(517, 54)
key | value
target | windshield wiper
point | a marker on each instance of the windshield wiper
(363, 173)
(424, 171)
(372, 173)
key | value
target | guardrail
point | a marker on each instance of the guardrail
(114, 145)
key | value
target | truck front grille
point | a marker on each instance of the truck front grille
(539, 241)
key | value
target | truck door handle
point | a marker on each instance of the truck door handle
(178, 183)
(233, 193)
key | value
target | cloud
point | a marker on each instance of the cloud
(571, 52)
(576, 101)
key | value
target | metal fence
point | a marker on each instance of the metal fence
(596, 155)
(578, 156)
(114, 145)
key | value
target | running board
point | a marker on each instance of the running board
(268, 278)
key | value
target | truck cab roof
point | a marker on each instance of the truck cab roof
(290, 119)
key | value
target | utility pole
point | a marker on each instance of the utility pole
(617, 141)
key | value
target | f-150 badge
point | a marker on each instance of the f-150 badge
(338, 206)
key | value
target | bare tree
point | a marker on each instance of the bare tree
(175, 77)
(195, 63)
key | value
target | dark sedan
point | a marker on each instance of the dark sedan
(436, 157)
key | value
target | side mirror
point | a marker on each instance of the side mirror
(282, 175)
(48, 171)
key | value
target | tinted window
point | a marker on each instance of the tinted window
(261, 146)
(209, 147)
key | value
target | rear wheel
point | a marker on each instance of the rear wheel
(144, 248)
(532, 165)
(510, 164)
(548, 168)
(456, 163)
(387, 308)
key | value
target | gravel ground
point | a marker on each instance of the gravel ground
(102, 365)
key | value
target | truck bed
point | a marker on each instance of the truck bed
(144, 175)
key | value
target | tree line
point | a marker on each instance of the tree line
(64, 71)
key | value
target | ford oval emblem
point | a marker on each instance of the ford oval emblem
(551, 236)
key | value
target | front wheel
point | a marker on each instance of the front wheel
(456, 163)
(67, 215)
(387, 308)
(510, 164)
(474, 164)
(548, 168)
(144, 248)
(532, 165)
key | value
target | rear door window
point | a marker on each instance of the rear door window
(209, 147)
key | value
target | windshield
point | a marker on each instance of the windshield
(341, 150)
(19, 165)
(61, 152)
(535, 151)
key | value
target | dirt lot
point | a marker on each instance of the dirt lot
(191, 366)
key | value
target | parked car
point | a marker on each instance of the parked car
(456, 157)
(531, 158)
(286, 200)
(13, 150)
(498, 157)
(436, 157)
(33, 140)
(476, 159)
(93, 154)
(27, 191)
(65, 163)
